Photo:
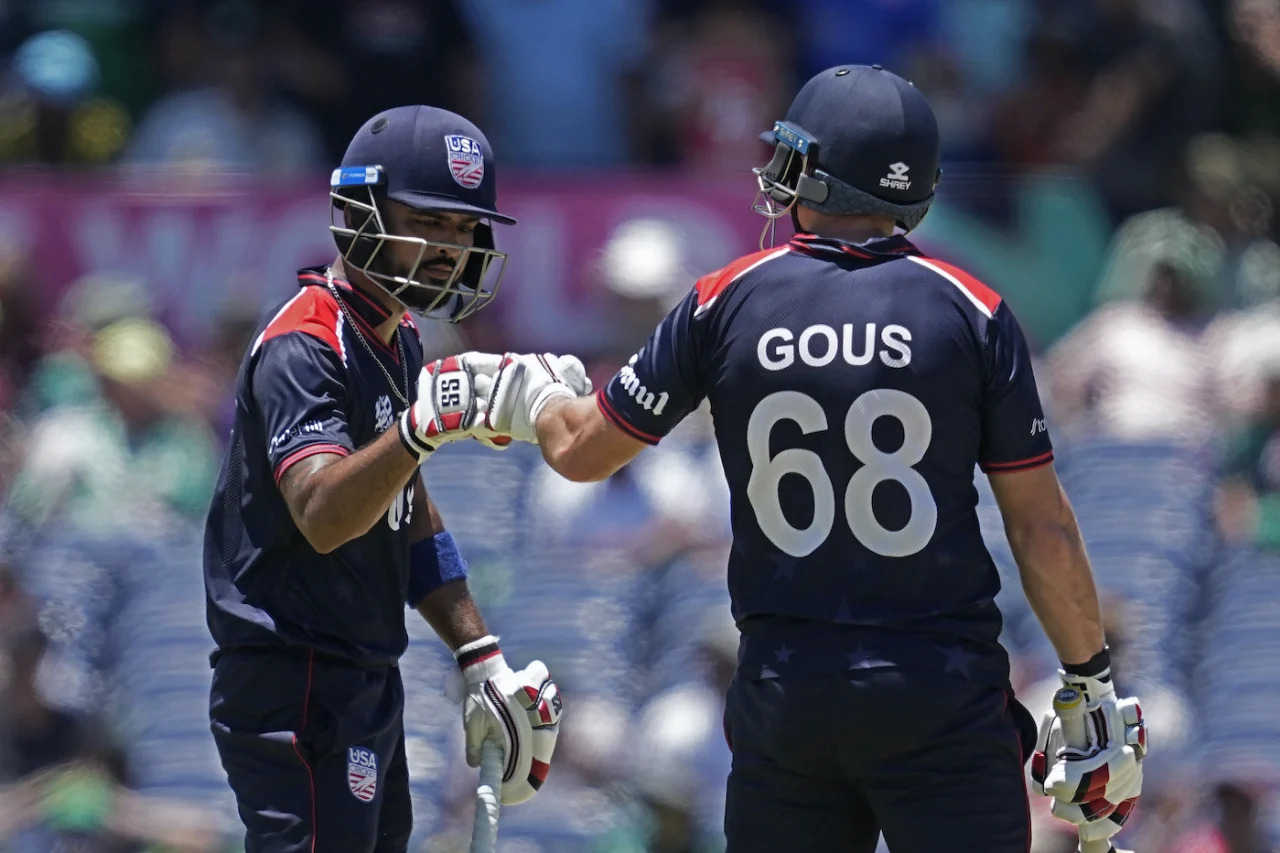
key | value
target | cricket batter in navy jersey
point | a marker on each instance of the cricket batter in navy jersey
(855, 385)
(322, 532)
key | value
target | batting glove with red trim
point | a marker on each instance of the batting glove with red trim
(524, 386)
(1094, 786)
(449, 406)
(518, 710)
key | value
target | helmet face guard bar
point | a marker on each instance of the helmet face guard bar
(787, 179)
(792, 177)
(472, 283)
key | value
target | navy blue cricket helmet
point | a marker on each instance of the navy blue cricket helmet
(433, 160)
(856, 140)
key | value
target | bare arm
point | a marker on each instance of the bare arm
(449, 610)
(1051, 558)
(580, 444)
(334, 499)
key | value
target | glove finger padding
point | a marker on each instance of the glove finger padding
(484, 393)
(1109, 775)
(524, 385)
(571, 372)
(1106, 767)
(1096, 822)
(448, 403)
(486, 364)
(1135, 728)
(529, 705)
(1048, 742)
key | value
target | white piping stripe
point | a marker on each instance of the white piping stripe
(765, 259)
(283, 308)
(712, 301)
(337, 331)
(977, 303)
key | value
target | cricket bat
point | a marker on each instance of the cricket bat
(484, 832)
(1069, 705)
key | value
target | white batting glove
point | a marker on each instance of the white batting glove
(448, 406)
(1095, 784)
(523, 388)
(518, 710)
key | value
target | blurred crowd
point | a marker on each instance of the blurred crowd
(1164, 398)
(1113, 87)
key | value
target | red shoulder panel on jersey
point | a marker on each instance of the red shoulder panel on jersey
(713, 284)
(978, 291)
(311, 311)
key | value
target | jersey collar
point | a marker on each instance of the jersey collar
(368, 313)
(875, 249)
(359, 303)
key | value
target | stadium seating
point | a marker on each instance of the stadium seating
(556, 582)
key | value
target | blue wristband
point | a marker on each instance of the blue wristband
(433, 563)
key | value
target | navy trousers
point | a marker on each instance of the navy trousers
(314, 751)
(932, 761)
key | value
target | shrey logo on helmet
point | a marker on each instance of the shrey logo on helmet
(466, 160)
(851, 133)
(897, 178)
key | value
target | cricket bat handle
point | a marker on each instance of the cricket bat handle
(1069, 705)
(484, 833)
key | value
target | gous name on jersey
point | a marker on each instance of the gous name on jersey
(818, 346)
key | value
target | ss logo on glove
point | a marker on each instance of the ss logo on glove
(451, 393)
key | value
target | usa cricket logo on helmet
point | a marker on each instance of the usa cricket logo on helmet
(466, 160)
(431, 160)
(856, 140)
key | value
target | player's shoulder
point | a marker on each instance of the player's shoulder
(312, 316)
(957, 282)
(713, 284)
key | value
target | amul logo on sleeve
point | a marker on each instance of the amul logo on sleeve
(295, 431)
(648, 400)
(362, 773)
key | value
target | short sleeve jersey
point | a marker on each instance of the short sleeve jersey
(854, 388)
(308, 385)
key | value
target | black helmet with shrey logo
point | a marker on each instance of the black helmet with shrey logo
(856, 139)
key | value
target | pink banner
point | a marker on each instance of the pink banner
(204, 243)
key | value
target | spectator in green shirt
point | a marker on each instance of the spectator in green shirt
(1249, 496)
(122, 454)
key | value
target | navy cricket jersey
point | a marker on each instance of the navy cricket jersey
(308, 386)
(854, 389)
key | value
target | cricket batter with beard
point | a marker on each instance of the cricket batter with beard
(321, 531)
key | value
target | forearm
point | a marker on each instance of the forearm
(425, 521)
(578, 444)
(453, 615)
(338, 501)
(560, 428)
(1058, 583)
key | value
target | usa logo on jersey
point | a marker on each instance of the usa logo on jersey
(466, 160)
(362, 773)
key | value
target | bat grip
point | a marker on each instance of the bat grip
(1070, 707)
(484, 833)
